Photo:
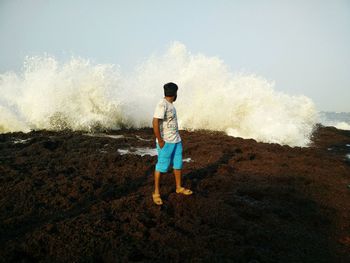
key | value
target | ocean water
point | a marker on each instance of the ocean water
(340, 120)
(81, 95)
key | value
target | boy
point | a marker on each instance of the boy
(168, 141)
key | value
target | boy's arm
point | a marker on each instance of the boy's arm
(156, 131)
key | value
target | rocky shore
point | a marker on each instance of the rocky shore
(75, 197)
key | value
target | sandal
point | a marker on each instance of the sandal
(156, 199)
(184, 191)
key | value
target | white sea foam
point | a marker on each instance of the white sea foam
(142, 151)
(82, 96)
(342, 125)
(142, 139)
(21, 141)
(104, 135)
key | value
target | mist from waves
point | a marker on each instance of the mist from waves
(80, 95)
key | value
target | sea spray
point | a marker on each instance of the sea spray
(75, 95)
(80, 95)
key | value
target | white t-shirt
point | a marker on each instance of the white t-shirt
(168, 124)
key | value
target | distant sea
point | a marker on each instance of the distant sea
(340, 120)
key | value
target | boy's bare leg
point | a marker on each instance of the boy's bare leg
(177, 174)
(156, 181)
(179, 188)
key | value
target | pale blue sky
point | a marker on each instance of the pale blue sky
(303, 45)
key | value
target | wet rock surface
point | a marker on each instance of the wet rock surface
(73, 197)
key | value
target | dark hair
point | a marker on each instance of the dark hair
(170, 89)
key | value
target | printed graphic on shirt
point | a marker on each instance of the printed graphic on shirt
(168, 124)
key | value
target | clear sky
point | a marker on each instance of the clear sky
(302, 45)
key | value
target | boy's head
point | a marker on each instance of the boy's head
(170, 90)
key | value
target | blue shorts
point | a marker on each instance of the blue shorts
(170, 154)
